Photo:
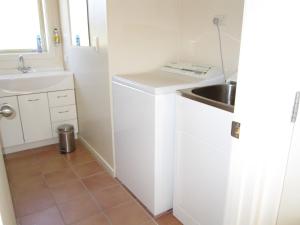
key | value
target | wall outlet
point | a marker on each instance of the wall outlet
(219, 20)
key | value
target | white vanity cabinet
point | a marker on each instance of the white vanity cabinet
(11, 129)
(35, 117)
(42, 101)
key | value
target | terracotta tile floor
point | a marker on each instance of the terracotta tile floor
(49, 188)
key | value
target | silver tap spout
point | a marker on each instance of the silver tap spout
(21, 65)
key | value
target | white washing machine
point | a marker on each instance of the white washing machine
(144, 130)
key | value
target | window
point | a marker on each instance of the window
(22, 26)
(78, 10)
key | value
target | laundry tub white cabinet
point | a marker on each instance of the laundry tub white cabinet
(202, 162)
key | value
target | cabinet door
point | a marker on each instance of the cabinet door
(203, 148)
(11, 128)
(35, 117)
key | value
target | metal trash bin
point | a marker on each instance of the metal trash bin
(66, 138)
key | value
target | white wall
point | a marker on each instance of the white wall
(199, 37)
(51, 59)
(7, 216)
(92, 82)
(143, 34)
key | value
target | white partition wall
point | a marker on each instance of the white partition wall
(92, 82)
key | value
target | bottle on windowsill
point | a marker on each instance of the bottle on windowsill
(56, 36)
(39, 44)
(77, 40)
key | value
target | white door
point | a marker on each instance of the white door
(7, 216)
(35, 116)
(267, 83)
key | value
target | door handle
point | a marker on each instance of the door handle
(33, 100)
(62, 96)
(64, 111)
(6, 111)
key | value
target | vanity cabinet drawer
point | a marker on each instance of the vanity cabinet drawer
(61, 98)
(55, 125)
(63, 113)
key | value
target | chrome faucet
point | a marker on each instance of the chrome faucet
(21, 65)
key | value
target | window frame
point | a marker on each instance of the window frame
(41, 13)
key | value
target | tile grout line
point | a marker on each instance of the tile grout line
(133, 199)
(94, 199)
(42, 177)
(136, 200)
(69, 166)
(49, 188)
(79, 180)
(98, 173)
(78, 164)
(56, 204)
(91, 196)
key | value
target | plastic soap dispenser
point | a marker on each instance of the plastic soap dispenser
(56, 36)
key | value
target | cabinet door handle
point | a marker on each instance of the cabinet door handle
(7, 111)
(62, 96)
(64, 111)
(33, 100)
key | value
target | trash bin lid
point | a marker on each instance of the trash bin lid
(65, 128)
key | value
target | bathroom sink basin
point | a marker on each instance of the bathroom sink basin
(221, 96)
(18, 84)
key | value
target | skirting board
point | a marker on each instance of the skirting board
(31, 145)
(106, 165)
